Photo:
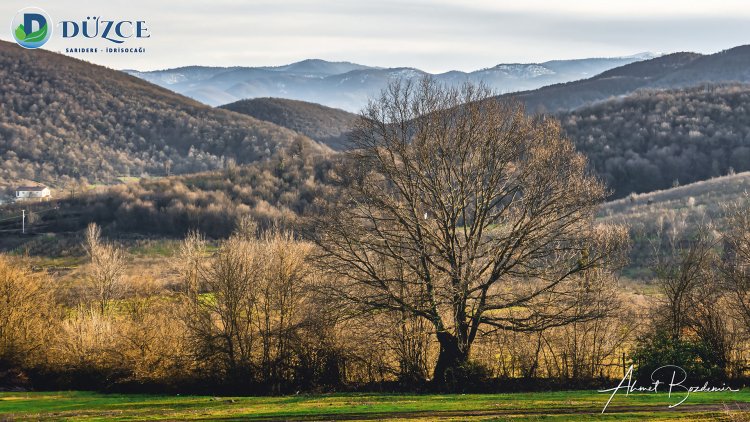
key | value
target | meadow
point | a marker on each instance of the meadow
(553, 406)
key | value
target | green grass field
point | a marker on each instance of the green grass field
(552, 406)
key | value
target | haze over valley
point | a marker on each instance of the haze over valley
(348, 85)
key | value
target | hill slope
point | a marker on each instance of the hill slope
(329, 126)
(648, 140)
(654, 139)
(676, 70)
(677, 210)
(616, 82)
(728, 65)
(694, 200)
(64, 119)
(290, 184)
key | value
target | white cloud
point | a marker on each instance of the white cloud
(434, 35)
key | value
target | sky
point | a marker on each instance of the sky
(435, 36)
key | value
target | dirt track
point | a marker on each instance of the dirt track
(437, 415)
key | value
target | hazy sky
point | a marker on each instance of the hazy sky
(431, 35)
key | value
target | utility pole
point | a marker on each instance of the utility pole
(23, 222)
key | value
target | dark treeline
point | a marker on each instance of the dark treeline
(656, 139)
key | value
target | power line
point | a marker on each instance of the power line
(35, 212)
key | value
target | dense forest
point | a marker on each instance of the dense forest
(652, 139)
(63, 121)
(656, 139)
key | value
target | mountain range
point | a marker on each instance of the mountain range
(674, 119)
(551, 87)
(348, 85)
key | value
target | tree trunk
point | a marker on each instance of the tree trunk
(451, 356)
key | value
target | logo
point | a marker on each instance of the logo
(111, 30)
(31, 27)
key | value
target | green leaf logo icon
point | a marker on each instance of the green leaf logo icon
(20, 33)
(32, 27)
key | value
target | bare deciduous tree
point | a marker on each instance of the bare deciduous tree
(189, 263)
(106, 268)
(736, 263)
(589, 349)
(281, 283)
(461, 210)
(248, 320)
(691, 312)
(222, 323)
(681, 269)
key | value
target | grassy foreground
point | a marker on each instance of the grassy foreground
(557, 406)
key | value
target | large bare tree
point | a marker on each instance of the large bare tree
(462, 210)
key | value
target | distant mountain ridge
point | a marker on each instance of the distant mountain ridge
(682, 71)
(552, 87)
(348, 85)
(677, 70)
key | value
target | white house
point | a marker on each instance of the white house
(40, 193)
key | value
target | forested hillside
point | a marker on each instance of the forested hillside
(651, 140)
(63, 120)
(656, 139)
(655, 216)
(291, 183)
(327, 125)
(613, 83)
(678, 70)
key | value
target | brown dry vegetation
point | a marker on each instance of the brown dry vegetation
(251, 316)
